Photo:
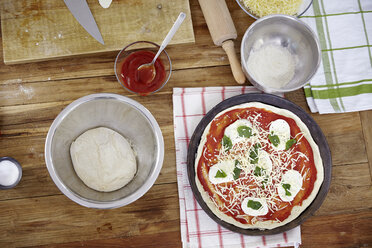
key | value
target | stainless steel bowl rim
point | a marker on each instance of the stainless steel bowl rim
(292, 18)
(117, 203)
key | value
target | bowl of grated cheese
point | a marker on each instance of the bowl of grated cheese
(279, 53)
(261, 8)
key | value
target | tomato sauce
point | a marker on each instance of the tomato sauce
(141, 83)
(213, 145)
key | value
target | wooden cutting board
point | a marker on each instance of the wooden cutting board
(36, 30)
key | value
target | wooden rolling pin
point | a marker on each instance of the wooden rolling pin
(223, 32)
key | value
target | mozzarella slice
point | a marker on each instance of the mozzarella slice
(294, 179)
(282, 130)
(232, 130)
(265, 162)
(263, 210)
(226, 167)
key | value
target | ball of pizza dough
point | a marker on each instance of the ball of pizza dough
(103, 159)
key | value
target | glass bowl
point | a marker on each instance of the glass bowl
(305, 5)
(142, 46)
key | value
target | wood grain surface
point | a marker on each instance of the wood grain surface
(36, 213)
(35, 30)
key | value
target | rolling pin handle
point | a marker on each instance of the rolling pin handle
(236, 68)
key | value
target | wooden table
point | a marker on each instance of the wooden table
(36, 213)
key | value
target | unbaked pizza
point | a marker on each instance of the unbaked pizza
(257, 166)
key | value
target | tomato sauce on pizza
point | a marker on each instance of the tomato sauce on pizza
(256, 165)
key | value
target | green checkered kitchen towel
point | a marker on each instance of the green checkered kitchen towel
(343, 82)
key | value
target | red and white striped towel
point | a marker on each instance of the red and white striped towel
(197, 229)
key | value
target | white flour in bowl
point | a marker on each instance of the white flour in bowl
(271, 65)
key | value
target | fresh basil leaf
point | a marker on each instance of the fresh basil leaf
(287, 187)
(244, 131)
(264, 182)
(254, 204)
(226, 142)
(237, 173)
(257, 146)
(290, 143)
(220, 174)
(254, 159)
(253, 154)
(237, 162)
(274, 139)
(258, 171)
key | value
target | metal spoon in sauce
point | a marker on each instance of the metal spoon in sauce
(147, 72)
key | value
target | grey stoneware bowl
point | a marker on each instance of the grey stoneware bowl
(125, 116)
(288, 32)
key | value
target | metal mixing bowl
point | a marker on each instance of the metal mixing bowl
(288, 32)
(305, 5)
(125, 116)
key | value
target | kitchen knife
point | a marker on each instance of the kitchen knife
(80, 10)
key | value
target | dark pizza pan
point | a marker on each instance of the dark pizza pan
(275, 101)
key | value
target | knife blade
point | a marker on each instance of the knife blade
(81, 11)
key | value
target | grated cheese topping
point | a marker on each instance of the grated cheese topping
(262, 186)
(263, 8)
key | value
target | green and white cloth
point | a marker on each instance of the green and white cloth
(343, 82)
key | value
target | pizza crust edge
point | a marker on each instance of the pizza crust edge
(296, 210)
